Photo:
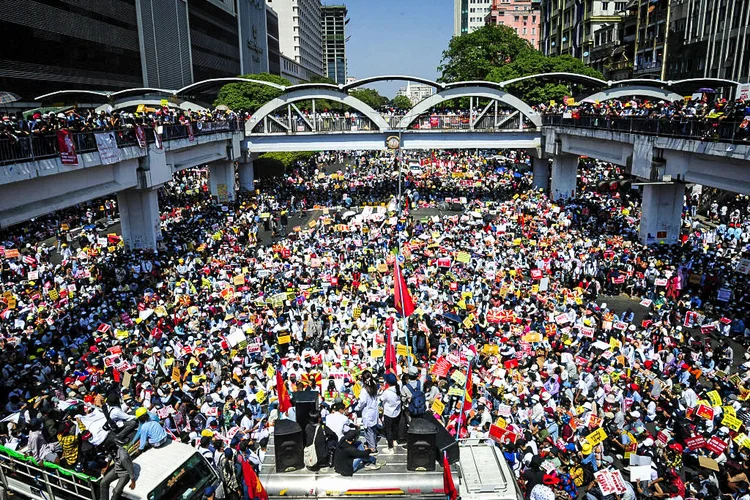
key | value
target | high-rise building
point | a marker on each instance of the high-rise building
(704, 40)
(521, 15)
(468, 15)
(568, 27)
(272, 37)
(253, 42)
(118, 44)
(333, 27)
(300, 37)
(416, 92)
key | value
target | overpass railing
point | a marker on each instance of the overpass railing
(687, 128)
(38, 147)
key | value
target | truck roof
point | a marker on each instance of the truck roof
(155, 465)
(481, 473)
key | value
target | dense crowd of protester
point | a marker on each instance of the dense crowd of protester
(512, 337)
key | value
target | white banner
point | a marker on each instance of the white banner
(107, 146)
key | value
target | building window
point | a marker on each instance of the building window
(605, 5)
(524, 31)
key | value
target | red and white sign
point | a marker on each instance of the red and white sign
(500, 435)
(610, 482)
(67, 148)
(140, 135)
(716, 445)
(705, 411)
(103, 328)
(696, 442)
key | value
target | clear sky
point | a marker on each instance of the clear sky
(396, 37)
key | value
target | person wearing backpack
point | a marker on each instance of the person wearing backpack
(413, 396)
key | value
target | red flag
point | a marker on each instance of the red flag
(284, 401)
(469, 385)
(255, 489)
(390, 349)
(448, 487)
(402, 299)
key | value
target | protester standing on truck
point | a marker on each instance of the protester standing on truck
(122, 472)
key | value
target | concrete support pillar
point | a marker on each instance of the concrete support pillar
(661, 213)
(139, 218)
(247, 175)
(221, 180)
(564, 171)
(540, 171)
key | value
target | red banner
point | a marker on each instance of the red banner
(67, 148)
(696, 442)
(716, 445)
(141, 136)
(501, 435)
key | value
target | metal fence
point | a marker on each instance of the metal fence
(37, 147)
(687, 128)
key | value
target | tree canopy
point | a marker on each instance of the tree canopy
(497, 53)
(250, 96)
(473, 55)
(401, 102)
(536, 91)
(371, 97)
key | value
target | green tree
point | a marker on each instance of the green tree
(250, 96)
(401, 102)
(275, 164)
(473, 55)
(536, 91)
(321, 79)
(371, 97)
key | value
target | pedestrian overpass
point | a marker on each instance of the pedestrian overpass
(298, 120)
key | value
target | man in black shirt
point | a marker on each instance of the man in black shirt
(350, 457)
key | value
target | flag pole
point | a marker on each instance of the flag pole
(463, 400)
(398, 241)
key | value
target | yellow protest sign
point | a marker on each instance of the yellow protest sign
(12, 303)
(456, 391)
(356, 389)
(733, 423)
(501, 423)
(729, 410)
(284, 339)
(596, 437)
(714, 397)
(270, 372)
(463, 257)
(468, 323)
(532, 337)
(260, 396)
(176, 375)
(517, 242)
(54, 294)
(459, 377)
(437, 407)
(198, 378)
(382, 268)
(122, 334)
(376, 353)
(742, 440)
(238, 280)
(402, 350)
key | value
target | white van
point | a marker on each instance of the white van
(175, 471)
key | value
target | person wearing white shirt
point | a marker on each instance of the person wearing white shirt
(391, 409)
(337, 421)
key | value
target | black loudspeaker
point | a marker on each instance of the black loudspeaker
(288, 443)
(444, 442)
(420, 451)
(305, 402)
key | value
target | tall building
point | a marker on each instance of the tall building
(568, 27)
(704, 40)
(333, 27)
(252, 25)
(468, 15)
(272, 37)
(416, 92)
(214, 38)
(521, 15)
(118, 44)
(300, 37)
(707, 39)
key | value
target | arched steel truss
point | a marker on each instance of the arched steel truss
(635, 90)
(288, 100)
(494, 91)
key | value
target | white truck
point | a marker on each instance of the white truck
(175, 471)
(480, 474)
